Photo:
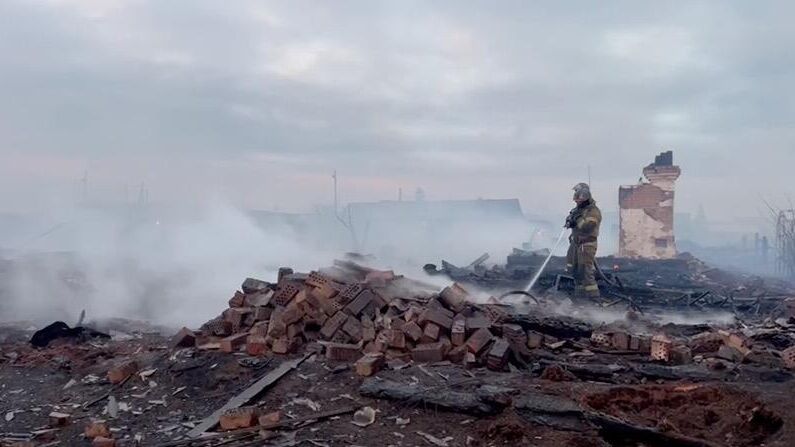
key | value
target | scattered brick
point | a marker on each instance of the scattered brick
(475, 323)
(661, 348)
(456, 355)
(236, 418)
(236, 315)
(478, 341)
(358, 304)
(102, 441)
(284, 345)
(395, 338)
(274, 417)
(353, 327)
(620, 341)
(256, 345)
(285, 293)
(498, 355)
(251, 285)
(97, 428)
(233, 342)
(412, 330)
(431, 333)
(458, 330)
(342, 352)
(534, 339)
(454, 297)
(58, 419)
(121, 371)
(333, 324)
(238, 300)
(429, 352)
(436, 317)
(370, 364)
(185, 338)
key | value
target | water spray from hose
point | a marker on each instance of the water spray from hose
(546, 261)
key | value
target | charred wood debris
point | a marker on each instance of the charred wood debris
(376, 323)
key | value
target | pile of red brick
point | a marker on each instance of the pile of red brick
(360, 315)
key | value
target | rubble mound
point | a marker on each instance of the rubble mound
(723, 416)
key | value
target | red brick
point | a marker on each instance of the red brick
(261, 313)
(368, 329)
(429, 352)
(534, 339)
(101, 441)
(97, 428)
(253, 285)
(292, 314)
(399, 354)
(185, 338)
(454, 297)
(238, 300)
(236, 316)
(788, 357)
(274, 417)
(358, 304)
(284, 345)
(58, 419)
(218, 327)
(498, 355)
(256, 345)
(341, 337)
(395, 338)
(431, 333)
(413, 314)
(295, 330)
(243, 417)
(353, 327)
(495, 313)
(316, 279)
(478, 341)
(285, 293)
(456, 355)
(458, 330)
(412, 330)
(121, 371)
(620, 341)
(333, 324)
(478, 322)
(436, 317)
(681, 355)
(342, 352)
(349, 293)
(370, 364)
(260, 328)
(233, 342)
(259, 299)
(661, 348)
(327, 305)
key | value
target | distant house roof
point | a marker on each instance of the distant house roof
(443, 210)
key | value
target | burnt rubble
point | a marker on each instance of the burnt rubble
(351, 355)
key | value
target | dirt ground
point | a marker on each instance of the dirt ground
(179, 388)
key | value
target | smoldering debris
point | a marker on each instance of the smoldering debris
(347, 336)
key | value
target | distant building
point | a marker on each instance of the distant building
(646, 212)
(438, 212)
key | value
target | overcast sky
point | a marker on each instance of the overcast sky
(259, 102)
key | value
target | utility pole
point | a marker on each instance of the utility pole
(84, 184)
(334, 176)
(589, 176)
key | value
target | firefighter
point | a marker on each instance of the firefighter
(584, 221)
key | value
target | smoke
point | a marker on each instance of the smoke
(175, 269)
